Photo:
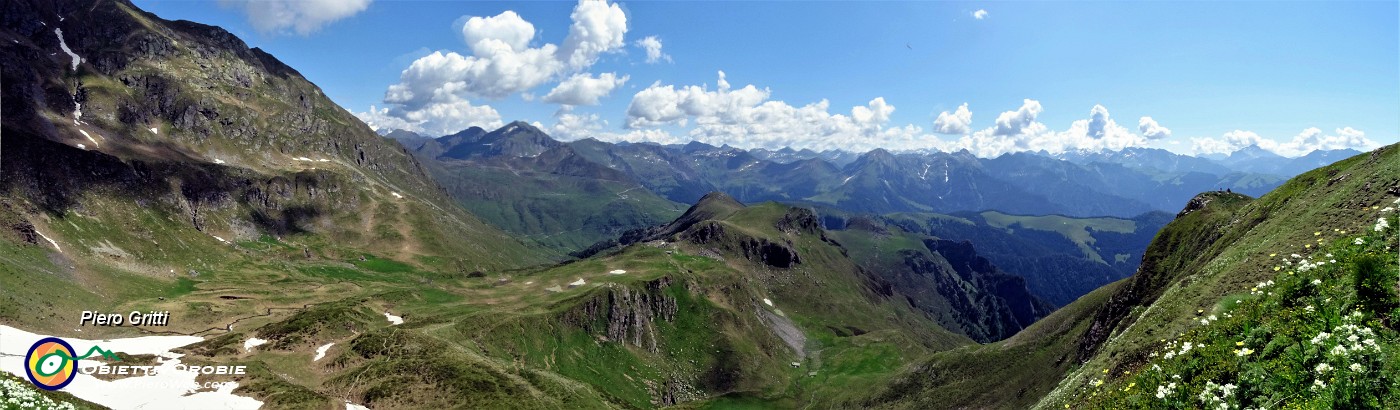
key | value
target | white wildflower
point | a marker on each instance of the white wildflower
(1322, 368)
(1355, 367)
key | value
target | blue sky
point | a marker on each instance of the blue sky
(1289, 76)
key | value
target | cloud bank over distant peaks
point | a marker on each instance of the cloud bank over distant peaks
(504, 56)
(1307, 141)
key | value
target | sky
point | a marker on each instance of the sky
(991, 77)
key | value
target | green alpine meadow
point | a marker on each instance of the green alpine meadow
(369, 204)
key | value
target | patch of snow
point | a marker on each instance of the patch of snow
(353, 406)
(89, 137)
(397, 320)
(154, 130)
(166, 387)
(220, 239)
(321, 351)
(218, 161)
(81, 146)
(848, 179)
(618, 272)
(323, 160)
(64, 45)
(767, 302)
(577, 283)
(302, 159)
(249, 344)
(51, 242)
(396, 195)
(77, 112)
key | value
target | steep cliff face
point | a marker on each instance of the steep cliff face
(945, 279)
(626, 314)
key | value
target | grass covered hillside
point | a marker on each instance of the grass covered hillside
(730, 305)
(1208, 265)
(541, 190)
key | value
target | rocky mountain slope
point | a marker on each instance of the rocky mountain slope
(144, 148)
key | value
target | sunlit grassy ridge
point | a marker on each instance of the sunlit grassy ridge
(1214, 252)
(1320, 334)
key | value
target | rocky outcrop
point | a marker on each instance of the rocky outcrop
(759, 250)
(1196, 203)
(627, 315)
(799, 221)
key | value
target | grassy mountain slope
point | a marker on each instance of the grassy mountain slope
(711, 311)
(1218, 249)
(539, 189)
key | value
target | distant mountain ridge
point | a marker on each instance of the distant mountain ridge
(1082, 184)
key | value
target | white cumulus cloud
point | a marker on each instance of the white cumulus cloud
(597, 28)
(652, 46)
(1152, 130)
(979, 14)
(746, 117)
(502, 62)
(486, 35)
(584, 89)
(957, 122)
(1016, 122)
(434, 119)
(302, 17)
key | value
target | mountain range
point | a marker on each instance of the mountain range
(156, 165)
(662, 177)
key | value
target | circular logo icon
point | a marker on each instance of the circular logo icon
(50, 363)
